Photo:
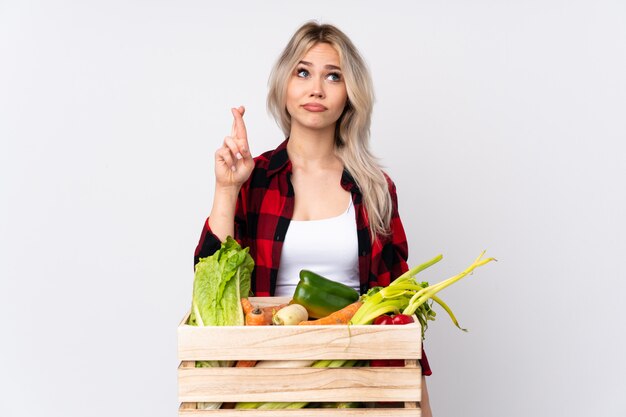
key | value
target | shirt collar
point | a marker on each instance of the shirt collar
(348, 183)
(279, 160)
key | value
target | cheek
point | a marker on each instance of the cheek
(341, 100)
(341, 95)
(291, 96)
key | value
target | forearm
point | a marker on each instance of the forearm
(425, 403)
(222, 217)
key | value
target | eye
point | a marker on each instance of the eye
(302, 72)
(334, 76)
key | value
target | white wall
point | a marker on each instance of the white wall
(501, 122)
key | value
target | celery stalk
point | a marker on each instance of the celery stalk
(448, 310)
(422, 296)
(407, 295)
(416, 270)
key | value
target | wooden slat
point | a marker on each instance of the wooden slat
(269, 301)
(299, 342)
(299, 384)
(188, 406)
(412, 363)
(306, 412)
(256, 301)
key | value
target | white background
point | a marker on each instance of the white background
(501, 122)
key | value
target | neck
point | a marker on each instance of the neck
(306, 146)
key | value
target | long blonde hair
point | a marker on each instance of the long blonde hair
(352, 131)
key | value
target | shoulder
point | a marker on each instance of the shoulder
(273, 159)
(263, 160)
(390, 184)
(265, 165)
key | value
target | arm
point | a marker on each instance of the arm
(397, 255)
(221, 221)
(395, 250)
(210, 239)
(233, 166)
(425, 402)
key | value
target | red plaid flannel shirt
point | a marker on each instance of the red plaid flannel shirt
(264, 210)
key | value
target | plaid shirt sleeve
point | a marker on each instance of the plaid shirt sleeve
(389, 257)
(209, 243)
(389, 253)
(264, 207)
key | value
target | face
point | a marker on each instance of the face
(316, 91)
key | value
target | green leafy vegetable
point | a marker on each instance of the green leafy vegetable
(221, 280)
(408, 296)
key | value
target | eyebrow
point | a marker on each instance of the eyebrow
(330, 67)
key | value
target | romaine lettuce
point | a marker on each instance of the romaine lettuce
(220, 281)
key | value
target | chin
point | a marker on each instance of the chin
(317, 123)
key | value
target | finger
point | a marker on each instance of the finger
(224, 156)
(240, 126)
(233, 147)
(241, 110)
(233, 129)
(241, 136)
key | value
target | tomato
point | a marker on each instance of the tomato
(390, 320)
(383, 320)
(402, 319)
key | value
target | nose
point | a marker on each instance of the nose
(317, 89)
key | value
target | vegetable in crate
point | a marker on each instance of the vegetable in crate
(386, 320)
(339, 405)
(342, 316)
(290, 315)
(322, 296)
(259, 316)
(220, 281)
(406, 295)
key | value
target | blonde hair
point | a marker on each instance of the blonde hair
(353, 127)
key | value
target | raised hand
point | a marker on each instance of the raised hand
(233, 160)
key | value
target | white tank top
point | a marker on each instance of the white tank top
(328, 247)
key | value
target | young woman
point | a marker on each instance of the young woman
(318, 201)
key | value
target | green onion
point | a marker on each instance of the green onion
(410, 297)
(404, 295)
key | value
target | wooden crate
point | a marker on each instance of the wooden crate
(306, 384)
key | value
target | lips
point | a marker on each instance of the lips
(314, 107)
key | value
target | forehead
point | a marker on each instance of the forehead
(322, 54)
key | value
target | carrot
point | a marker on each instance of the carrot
(245, 364)
(271, 310)
(257, 317)
(246, 305)
(342, 316)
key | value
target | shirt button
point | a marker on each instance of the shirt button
(277, 237)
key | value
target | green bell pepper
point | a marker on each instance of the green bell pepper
(322, 296)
